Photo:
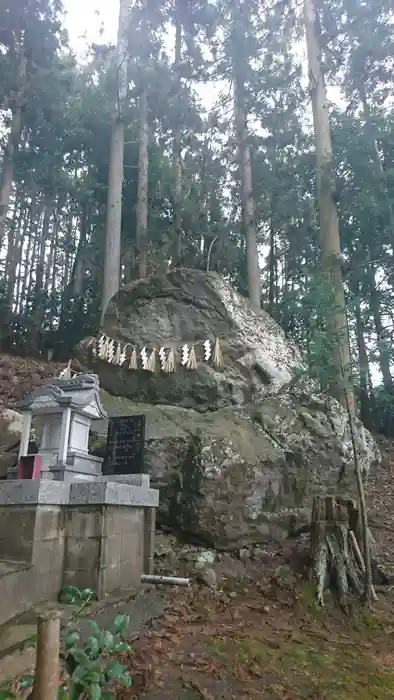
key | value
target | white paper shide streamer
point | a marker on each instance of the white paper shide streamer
(184, 355)
(123, 355)
(153, 359)
(103, 347)
(144, 358)
(117, 354)
(163, 359)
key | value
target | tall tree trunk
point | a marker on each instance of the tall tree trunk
(79, 262)
(244, 157)
(383, 342)
(54, 259)
(362, 357)
(7, 174)
(142, 192)
(31, 249)
(12, 250)
(51, 266)
(177, 146)
(247, 200)
(26, 241)
(68, 245)
(378, 162)
(113, 230)
(272, 276)
(340, 384)
(39, 301)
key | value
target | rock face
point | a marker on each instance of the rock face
(235, 451)
(234, 477)
(10, 432)
(188, 307)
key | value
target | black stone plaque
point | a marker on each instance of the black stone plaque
(125, 445)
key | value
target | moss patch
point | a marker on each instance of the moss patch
(303, 664)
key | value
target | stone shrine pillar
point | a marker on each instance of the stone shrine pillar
(25, 436)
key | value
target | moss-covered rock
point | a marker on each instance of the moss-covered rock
(235, 451)
(235, 476)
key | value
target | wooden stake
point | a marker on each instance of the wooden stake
(360, 560)
(47, 672)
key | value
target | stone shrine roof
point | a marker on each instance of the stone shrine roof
(81, 393)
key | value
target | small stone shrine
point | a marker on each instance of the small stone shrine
(62, 522)
(64, 410)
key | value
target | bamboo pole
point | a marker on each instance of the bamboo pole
(47, 672)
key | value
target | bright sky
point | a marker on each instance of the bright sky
(85, 18)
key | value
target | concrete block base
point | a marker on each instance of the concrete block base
(97, 535)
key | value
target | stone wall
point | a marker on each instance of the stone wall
(31, 568)
(104, 547)
(44, 547)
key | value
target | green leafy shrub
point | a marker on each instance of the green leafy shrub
(92, 670)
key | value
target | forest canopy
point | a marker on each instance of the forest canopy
(116, 168)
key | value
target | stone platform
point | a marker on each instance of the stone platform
(97, 535)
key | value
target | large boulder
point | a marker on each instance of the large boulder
(238, 475)
(188, 306)
(236, 451)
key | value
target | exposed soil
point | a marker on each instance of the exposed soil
(19, 375)
(380, 494)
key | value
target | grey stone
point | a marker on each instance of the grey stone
(10, 426)
(111, 493)
(190, 306)
(244, 554)
(34, 492)
(235, 476)
(133, 479)
(208, 577)
(10, 432)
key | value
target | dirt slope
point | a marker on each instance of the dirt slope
(19, 375)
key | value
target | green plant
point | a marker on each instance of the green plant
(72, 595)
(17, 689)
(88, 671)
(90, 668)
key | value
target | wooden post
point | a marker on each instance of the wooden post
(47, 673)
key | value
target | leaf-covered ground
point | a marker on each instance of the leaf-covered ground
(265, 639)
(261, 635)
